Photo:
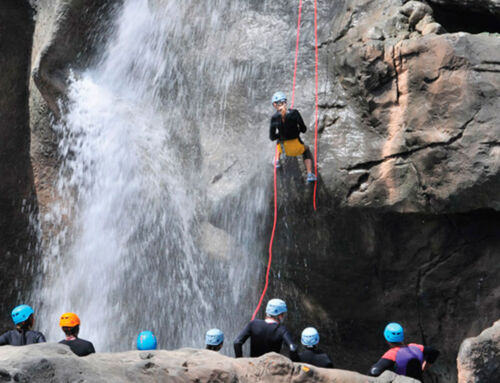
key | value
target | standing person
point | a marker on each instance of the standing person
(408, 360)
(214, 339)
(23, 317)
(146, 340)
(286, 126)
(267, 335)
(313, 355)
(70, 324)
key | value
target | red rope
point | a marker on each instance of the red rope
(276, 157)
(316, 103)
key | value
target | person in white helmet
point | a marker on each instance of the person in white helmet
(267, 335)
(312, 354)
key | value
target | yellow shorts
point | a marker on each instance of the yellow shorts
(292, 147)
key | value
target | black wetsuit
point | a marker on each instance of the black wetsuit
(264, 337)
(80, 347)
(315, 357)
(288, 130)
(21, 338)
(405, 360)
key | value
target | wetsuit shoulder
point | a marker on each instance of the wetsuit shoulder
(80, 347)
(35, 337)
(391, 353)
(6, 338)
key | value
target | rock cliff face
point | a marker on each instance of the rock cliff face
(56, 363)
(16, 177)
(408, 197)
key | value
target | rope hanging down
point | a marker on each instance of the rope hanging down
(276, 154)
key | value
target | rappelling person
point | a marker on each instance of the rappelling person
(23, 317)
(408, 360)
(286, 126)
(267, 335)
(70, 324)
(214, 339)
(146, 340)
(313, 355)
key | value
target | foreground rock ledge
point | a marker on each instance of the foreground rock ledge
(56, 363)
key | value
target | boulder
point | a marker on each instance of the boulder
(479, 357)
(42, 363)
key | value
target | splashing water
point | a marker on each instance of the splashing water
(131, 243)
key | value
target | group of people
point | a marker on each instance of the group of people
(266, 335)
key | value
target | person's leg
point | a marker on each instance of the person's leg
(307, 159)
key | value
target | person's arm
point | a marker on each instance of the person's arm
(382, 365)
(40, 338)
(273, 129)
(91, 348)
(4, 339)
(300, 122)
(292, 348)
(238, 342)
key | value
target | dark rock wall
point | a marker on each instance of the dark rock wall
(16, 179)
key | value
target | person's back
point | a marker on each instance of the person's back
(80, 347)
(316, 357)
(267, 335)
(21, 337)
(24, 319)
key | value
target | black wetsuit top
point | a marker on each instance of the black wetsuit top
(288, 130)
(264, 337)
(80, 347)
(21, 338)
(413, 368)
(315, 357)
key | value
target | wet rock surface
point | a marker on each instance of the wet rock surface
(479, 357)
(16, 176)
(56, 363)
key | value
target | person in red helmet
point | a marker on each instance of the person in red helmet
(70, 324)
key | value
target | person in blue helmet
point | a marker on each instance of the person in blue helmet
(312, 354)
(267, 335)
(146, 340)
(23, 317)
(408, 360)
(286, 126)
(214, 339)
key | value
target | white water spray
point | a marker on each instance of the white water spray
(127, 249)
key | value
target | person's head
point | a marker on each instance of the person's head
(214, 339)
(70, 324)
(309, 337)
(276, 309)
(279, 100)
(23, 317)
(146, 340)
(394, 334)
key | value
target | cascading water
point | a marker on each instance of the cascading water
(129, 231)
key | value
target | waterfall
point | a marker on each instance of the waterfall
(146, 230)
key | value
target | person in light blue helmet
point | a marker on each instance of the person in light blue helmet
(285, 128)
(267, 335)
(146, 340)
(23, 317)
(408, 360)
(312, 354)
(214, 339)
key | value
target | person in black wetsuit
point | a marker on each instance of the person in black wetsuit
(408, 360)
(286, 126)
(313, 355)
(24, 319)
(267, 335)
(70, 324)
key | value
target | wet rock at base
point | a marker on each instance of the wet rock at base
(478, 359)
(52, 362)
